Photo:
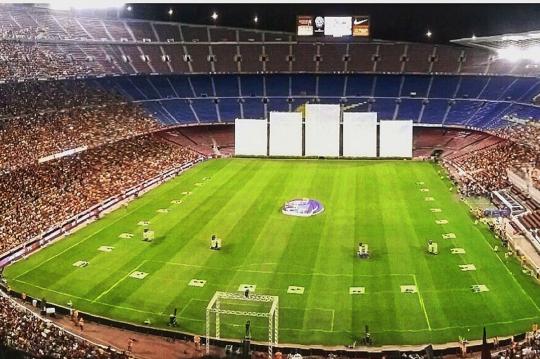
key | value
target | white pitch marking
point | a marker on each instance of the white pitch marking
(117, 282)
(357, 290)
(295, 290)
(467, 267)
(477, 288)
(408, 289)
(197, 283)
(138, 275)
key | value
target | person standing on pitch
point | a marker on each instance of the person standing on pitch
(213, 242)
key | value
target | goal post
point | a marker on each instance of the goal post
(215, 307)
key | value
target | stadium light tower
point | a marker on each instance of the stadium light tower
(214, 16)
(428, 34)
(256, 19)
(170, 12)
(129, 8)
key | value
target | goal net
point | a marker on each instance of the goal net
(240, 305)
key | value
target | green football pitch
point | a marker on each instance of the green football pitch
(392, 206)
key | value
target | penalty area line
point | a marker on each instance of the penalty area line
(117, 282)
(422, 302)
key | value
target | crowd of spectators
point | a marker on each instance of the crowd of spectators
(43, 118)
(528, 349)
(29, 97)
(24, 140)
(19, 60)
(485, 170)
(36, 197)
(526, 134)
(24, 330)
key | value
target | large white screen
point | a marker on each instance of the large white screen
(250, 137)
(360, 134)
(285, 134)
(396, 138)
(322, 130)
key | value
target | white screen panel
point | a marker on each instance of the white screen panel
(396, 138)
(250, 137)
(322, 130)
(285, 134)
(360, 134)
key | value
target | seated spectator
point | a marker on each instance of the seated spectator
(24, 330)
(37, 197)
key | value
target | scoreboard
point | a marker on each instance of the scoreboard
(333, 28)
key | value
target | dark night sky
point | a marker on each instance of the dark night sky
(406, 22)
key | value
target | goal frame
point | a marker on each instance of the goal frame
(214, 306)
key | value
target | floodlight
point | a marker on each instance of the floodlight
(256, 19)
(170, 12)
(214, 16)
(429, 33)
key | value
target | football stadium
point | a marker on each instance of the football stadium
(300, 183)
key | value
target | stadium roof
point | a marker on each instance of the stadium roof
(515, 46)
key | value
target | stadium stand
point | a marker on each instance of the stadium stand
(213, 75)
(25, 331)
(467, 101)
(39, 196)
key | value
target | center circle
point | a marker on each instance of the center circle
(302, 207)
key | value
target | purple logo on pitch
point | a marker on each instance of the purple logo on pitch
(303, 207)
